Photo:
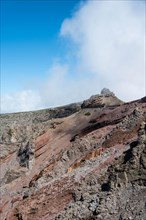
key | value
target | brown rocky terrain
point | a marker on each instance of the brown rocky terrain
(82, 161)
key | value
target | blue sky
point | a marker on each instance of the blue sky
(61, 51)
(29, 39)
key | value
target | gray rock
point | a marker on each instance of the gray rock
(106, 91)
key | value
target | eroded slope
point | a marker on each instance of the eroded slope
(85, 166)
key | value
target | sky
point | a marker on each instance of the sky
(56, 52)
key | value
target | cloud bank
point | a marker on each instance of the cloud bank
(110, 36)
(106, 41)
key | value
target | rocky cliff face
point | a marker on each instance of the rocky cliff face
(81, 161)
(105, 99)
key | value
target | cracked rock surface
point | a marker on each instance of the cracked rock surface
(82, 161)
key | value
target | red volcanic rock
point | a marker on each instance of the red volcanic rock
(89, 164)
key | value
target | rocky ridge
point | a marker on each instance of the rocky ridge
(75, 162)
(105, 99)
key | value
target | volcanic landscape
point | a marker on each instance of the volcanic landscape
(84, 161)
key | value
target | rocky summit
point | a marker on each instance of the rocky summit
(81, 161)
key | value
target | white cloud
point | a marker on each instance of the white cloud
(110, 36)
(107, 41)
(58, 89)
(61, 88)
(22, 101)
